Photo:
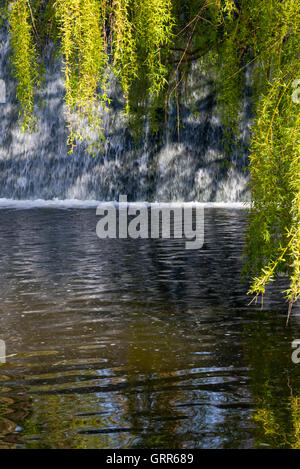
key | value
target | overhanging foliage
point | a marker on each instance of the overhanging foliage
(150, 45)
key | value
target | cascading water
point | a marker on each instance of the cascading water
(38, 165)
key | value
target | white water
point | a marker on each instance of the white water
(76, 203)
(38, 166)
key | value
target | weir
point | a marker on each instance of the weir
(157, 168)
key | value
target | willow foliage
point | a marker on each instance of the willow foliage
(24, 60)
(151, 46)
(257, 41)
(85, 59)
(92, 35)
(274, 229)
(124, 44)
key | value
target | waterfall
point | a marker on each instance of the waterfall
(38, 165)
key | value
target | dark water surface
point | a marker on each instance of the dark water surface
(138, 343)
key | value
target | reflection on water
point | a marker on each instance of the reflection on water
(138, 343)
(275, 382)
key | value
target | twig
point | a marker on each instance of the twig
(33, 22)
(289, 313)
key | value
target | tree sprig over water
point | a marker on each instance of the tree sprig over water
(151, 46)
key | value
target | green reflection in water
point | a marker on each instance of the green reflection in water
(136, 407)
(275, 383)
(12, 410)
(156, 354)
(129, 393)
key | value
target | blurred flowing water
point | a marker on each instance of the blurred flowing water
(154, 167)
(138, 343)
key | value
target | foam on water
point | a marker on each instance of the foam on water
(82, 204)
